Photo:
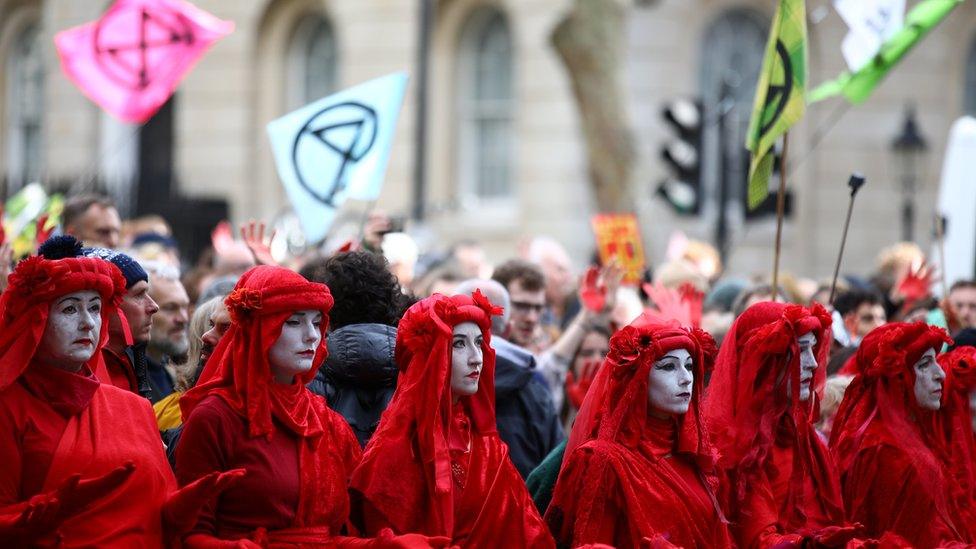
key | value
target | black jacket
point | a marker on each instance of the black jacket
(524, 413)
(359, 377)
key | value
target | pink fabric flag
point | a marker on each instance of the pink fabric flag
(131, 60)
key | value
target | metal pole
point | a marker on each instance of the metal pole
(722, 223)
(420, 128)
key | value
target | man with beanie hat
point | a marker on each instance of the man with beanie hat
(125, 352)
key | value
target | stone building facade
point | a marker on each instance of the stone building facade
(505, 156)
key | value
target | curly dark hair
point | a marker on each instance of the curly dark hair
(364, 288)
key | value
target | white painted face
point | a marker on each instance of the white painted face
(466, 359)
(808, 363)
(669, 385)
(74, 323)
(294, 351)
(928, 382)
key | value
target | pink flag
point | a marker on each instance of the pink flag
(131, 60)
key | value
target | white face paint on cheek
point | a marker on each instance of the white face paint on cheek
(928, 382)
(71, 333)
(294, 351)
(808, 364)
(466, 359)
(669, 383)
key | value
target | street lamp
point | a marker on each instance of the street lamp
(909, 149)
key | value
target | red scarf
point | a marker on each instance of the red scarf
(619, 458)
(748, 410)
(407, 475)
(239, 372)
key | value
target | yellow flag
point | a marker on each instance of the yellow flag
(780, 94)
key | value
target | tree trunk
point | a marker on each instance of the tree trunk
(590, 40)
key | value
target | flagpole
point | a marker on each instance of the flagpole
(940, 237)
(780, 207)
(855, 183)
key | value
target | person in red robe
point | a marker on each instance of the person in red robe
(889, 439)
(436, 464)
(639, 468)
(760, 408)
(81, 463)
(959, 364)
(251, 410)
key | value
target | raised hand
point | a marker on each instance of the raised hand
(598, 287)
(916, 284)
(576, 390)
(252, 233)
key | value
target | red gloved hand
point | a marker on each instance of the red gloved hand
(916, 284)
(182, 510)
(833, 536)
(593, 292)
(657, 542)
(576, 391)
(388, 540)
(75, 495)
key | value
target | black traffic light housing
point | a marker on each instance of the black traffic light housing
(681, 188)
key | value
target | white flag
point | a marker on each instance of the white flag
(871, 22)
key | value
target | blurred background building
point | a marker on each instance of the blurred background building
(503, 153)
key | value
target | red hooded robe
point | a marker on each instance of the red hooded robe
(55, 424)
(630, 476)
(237, 416)
(891, 453)
(782, 483)
(960, 368)
(436, 468)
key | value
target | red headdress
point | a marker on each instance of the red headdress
(406, 469)
(615, 416)
(239, 372)
(879, 407)
(619, 405)
(33, 285)
(748, 402)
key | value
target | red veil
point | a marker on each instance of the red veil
(752, 415)
(405, 480)
(239, 373)
(890, 452)
(620, 481)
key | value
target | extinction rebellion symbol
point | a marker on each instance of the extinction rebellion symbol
(332, 141)
(160, 37)
(777, 94)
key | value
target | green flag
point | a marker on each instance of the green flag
(780, 94)
(858, 87)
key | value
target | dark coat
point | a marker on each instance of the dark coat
(359, 377)
(524, 413)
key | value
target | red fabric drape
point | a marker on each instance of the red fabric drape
(627, 475)
(782, 483)
(408, 479)
(892, 454)
(239, 373)
(960, 367)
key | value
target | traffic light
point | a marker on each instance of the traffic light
(681, 188)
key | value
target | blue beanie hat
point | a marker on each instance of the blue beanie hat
(131, 269)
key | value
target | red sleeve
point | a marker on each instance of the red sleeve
(757, 526)
(205, 446)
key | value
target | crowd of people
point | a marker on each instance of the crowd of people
(377, 396)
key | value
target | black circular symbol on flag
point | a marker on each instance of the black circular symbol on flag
(344, 133)
(778, 95)
(133, 64)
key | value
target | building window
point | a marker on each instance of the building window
(485, 107)
(312, 61)
(969, 94)
(25, 106)
(731, 57)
